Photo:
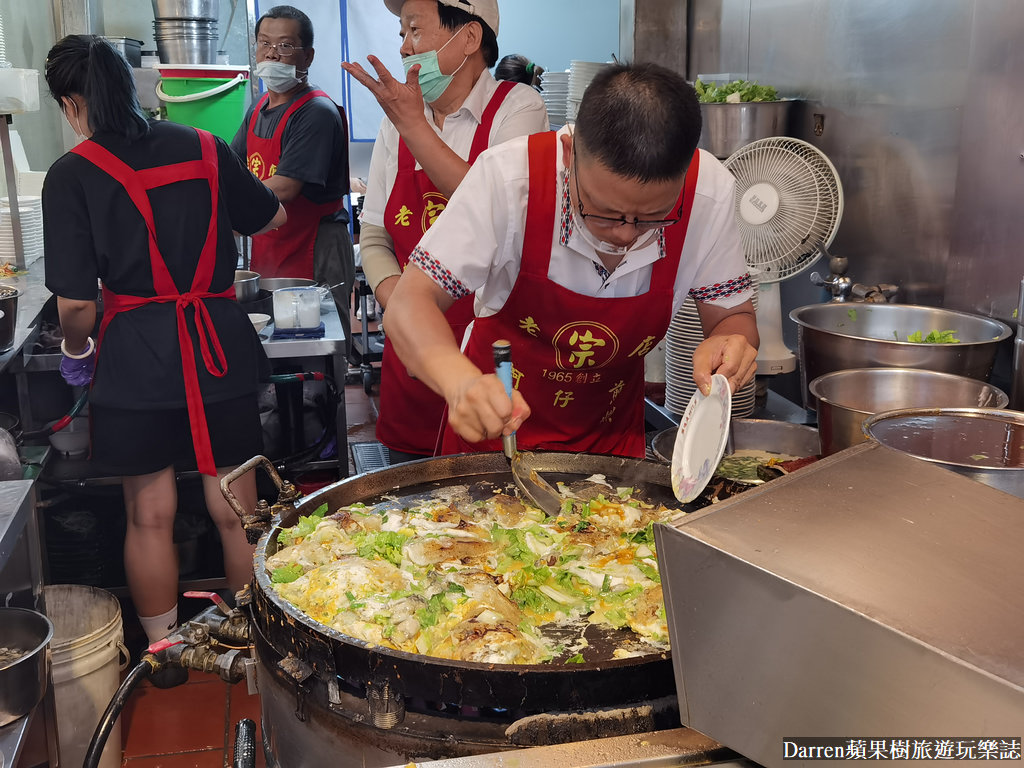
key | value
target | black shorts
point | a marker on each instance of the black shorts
(130, 442)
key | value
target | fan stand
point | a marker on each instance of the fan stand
(773, 356)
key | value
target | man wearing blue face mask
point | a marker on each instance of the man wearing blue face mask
(295, 140)
(446, 112)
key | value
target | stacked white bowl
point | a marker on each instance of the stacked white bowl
(554, 89)
(684, 335)
(30, 215)
(580, 75)
(186, 31)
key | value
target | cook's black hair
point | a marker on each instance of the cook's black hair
(518, 69)
(90, 67)
(641, 121)
(453, 18)
(289, 12)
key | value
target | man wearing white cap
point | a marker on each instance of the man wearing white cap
(448, 110)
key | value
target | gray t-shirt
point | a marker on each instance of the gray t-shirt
(314, 145)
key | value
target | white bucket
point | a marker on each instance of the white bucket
(88, 655)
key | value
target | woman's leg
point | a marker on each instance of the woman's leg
(237, 551)
(150, 559)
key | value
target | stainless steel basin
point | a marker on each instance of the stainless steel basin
(846, 398)
(836, 337)
(983, 444)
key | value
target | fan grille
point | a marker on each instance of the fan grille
(788, 199)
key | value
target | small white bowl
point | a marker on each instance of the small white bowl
(259, 321)
(73, 440)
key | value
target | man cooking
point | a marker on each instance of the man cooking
(579, 247)
(448, 110)
(295, 140)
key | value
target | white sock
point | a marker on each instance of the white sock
(158, 627)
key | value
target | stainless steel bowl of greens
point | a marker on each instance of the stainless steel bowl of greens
(840, 336)
(739, 112)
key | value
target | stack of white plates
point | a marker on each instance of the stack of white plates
(580, 75)
(30, 213)
(684, 335)
(555, 91)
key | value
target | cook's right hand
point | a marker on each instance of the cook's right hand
(480, 409)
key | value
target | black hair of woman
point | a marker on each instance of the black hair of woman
(89, 69)
(519, 69)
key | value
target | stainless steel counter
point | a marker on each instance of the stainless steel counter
(15, 512)
(658, 749)
(867, 595)
(33, 295)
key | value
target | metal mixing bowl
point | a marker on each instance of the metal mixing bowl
(728, 127)
(753, 434)
(247, 285)
(23, 681)
(846, 398)
(840, 336)
(986, 445)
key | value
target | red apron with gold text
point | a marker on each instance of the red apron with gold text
(577, 360)
(136, 184)
(411, 415)
(288, 250)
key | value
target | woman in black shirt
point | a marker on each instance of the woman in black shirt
(148, 208)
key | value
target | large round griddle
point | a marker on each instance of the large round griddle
(601, 681)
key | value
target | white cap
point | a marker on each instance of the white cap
(484, 9)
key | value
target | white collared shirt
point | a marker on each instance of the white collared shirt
(476, 245)
(521, 113)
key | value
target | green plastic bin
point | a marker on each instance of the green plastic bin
(215, 104)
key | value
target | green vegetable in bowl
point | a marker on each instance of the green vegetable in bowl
(935, 337)
(735, 92)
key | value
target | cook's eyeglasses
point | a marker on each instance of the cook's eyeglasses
(282, 49)
(608, 222)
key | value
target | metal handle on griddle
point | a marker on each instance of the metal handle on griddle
(257, 522)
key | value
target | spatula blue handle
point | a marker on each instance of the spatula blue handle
(502, 350)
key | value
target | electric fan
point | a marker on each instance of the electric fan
(789, 201)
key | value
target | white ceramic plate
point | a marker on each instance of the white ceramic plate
(700, 441)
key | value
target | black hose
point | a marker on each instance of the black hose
(245, 744)
(139, 672)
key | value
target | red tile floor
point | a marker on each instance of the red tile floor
(193, 725)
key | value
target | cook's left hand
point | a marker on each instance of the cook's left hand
(401, 102)
(732, 356)
(78, 370)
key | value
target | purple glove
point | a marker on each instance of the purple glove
(78, 371)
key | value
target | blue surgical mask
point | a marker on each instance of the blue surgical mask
(433, 82)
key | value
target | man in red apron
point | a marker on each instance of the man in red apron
(579, 248)
(295, 140)
(446, 113)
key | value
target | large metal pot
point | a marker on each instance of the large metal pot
(986, 445)
(845, 398)
(755, 435)
(840, 336)
(23, 681)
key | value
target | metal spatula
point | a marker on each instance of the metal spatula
(533, 487)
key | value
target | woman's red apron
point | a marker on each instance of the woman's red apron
(137, 184)
(288, 250)
(411, 414)
(577, 360)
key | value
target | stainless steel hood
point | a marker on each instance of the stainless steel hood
(869, 595)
